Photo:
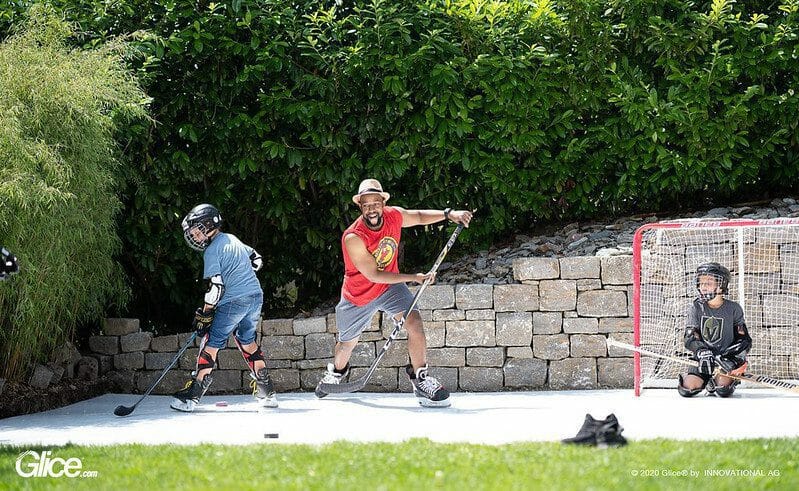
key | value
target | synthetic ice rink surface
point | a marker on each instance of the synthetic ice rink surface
(489, 418)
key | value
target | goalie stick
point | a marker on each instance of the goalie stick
(359, 384)
(746, 377)
(125, 410)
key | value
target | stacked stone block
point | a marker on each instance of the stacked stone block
(546, 332)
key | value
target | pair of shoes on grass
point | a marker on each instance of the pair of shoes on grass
(602, 433)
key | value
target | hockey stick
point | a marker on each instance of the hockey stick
(359, 384)
(746, 377)
(125, 410)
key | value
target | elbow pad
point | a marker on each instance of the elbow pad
(256, 261)
(215, 290)
(742, 343)
(693, 340)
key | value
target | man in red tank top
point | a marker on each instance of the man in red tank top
(372, 282)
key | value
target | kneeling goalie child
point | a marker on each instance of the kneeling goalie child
(716, 333)
(232, 303)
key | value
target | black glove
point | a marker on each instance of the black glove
(706, 360)
(202, 321)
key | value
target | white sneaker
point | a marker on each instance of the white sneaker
(186, 406)
(263, 390)
(333, 377)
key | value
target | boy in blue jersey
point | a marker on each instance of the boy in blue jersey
(232, 303)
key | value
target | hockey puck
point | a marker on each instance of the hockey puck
(271, 435)
(221, 403)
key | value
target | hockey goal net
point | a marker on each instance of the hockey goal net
(763, 259)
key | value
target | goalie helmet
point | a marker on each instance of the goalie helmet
(719, 273)
(205, 219)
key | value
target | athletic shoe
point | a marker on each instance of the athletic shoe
(428, 390)
(189, 396)
(332, 376)
(587, 433)
(263, 390)
(609, 433)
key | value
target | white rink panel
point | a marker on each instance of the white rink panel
(485, 418)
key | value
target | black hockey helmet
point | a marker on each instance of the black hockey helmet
(206, 219)
(716, 270)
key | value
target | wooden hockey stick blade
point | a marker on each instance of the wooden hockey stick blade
(747, 377)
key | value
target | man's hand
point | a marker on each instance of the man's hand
(422, 277)
(461, 216)
(706, 361)
(202, 321)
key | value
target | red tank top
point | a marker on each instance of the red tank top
(383, 244)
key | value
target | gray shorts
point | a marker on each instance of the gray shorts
(351, 320)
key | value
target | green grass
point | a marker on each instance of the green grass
(420, 464)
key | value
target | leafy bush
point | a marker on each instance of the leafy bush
(525, 111)
(58, 198)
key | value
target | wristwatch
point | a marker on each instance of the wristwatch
(446, 213)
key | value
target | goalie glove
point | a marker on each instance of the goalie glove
(706, 360)
(202, 321)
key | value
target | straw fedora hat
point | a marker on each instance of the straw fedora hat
(370, 186)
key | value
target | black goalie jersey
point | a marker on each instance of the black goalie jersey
(718, 329)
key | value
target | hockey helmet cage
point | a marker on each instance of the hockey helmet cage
(206, 219)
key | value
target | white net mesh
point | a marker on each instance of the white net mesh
(763, 259)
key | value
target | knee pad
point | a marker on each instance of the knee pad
(251, 358)
(725, 390)
(205, 360)
(685, 392)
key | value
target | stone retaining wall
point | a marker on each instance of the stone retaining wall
(546, 332)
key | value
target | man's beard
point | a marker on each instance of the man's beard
(373, 222)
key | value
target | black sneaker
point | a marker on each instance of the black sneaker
(609, 433)
(429, 391)
(587, 433)
(263, 389)
(189, 396)
(602, 432)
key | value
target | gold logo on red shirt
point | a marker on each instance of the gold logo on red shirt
(385, 252)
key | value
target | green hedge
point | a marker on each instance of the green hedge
(524, 111)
